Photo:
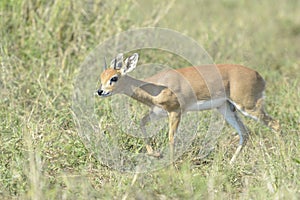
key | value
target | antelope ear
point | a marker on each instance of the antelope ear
(117, 62)
(130, 63)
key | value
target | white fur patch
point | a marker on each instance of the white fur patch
(205, 105)
(242, 111)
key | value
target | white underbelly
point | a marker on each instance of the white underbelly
(205, 105)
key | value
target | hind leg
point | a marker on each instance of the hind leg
(229, 112)
(259, 113)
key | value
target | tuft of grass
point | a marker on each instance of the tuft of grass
(42, 46)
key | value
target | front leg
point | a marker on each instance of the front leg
(155, 114)
(174, 120)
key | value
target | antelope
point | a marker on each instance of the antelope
(173, 92)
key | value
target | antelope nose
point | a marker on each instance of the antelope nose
(100, 92)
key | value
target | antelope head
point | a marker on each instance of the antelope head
(112, 77)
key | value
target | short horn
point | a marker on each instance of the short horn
(105, 64)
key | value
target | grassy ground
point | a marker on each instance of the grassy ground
(42, 46)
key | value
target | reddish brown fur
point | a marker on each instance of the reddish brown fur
(189, 89)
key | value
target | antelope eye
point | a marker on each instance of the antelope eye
(114, 79)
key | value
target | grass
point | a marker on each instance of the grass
(42, 46)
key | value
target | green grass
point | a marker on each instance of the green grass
(42, 46)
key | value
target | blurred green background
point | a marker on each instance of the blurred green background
(42, 45)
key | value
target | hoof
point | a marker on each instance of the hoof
(155, 154)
